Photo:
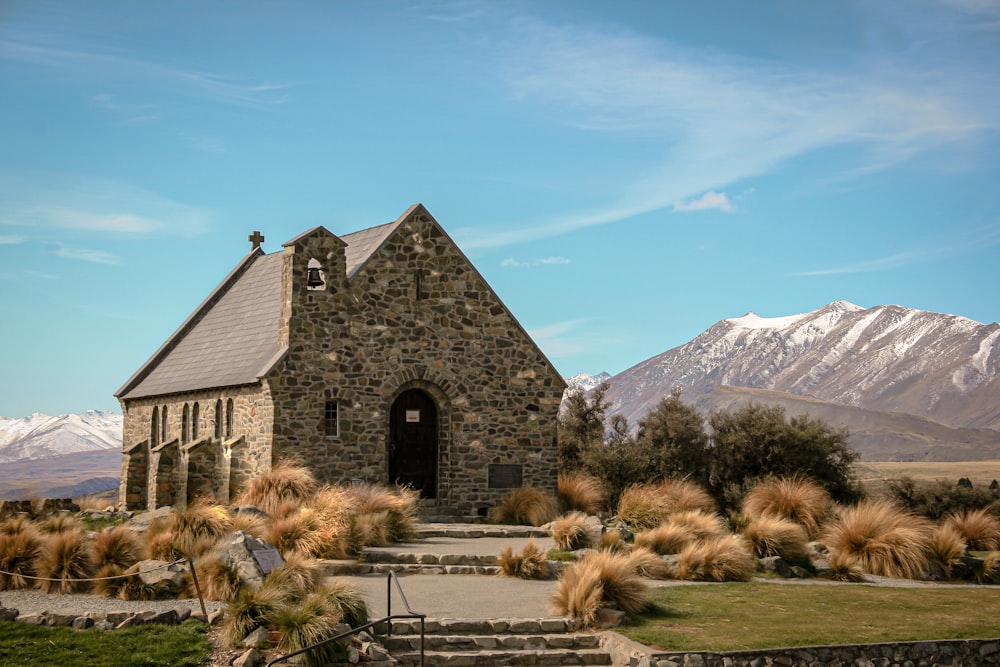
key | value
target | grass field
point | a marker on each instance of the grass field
(739, 616)
(874, 474)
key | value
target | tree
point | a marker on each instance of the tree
(581, 424)
(757, 441)
(618, 462)
(672, 438)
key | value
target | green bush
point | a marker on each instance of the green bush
(937, 499)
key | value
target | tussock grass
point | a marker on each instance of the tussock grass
(287, 482)
(668, 538)
(395, 510)
(306, 622)
(526, 506)
(295, 532)
(119, 546)
(768, 535)
(646, 506)
(701, 523)
(16, 525)
(249, 523)
(217, 578)
(611, 540)
(347, 599)
(647, 563)
(134, 588)
(988, 572)
(199, 526)
(529, 564)
(979, 528)
(884, 539)
(61, 523)
(579, 492)
(716, 559)
(946, 550)
(334, 512)
(570, 532)
(251, 609)
(68, 560)
(600, 579)
(796, 498)
(845, 567)
(20, 554)
(300, 572)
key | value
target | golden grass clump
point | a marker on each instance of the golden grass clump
(579, 492)
(199, 526)
(67, 560)
(611, 540)
(119, 546)
(946, 550)
(716, 559)
(526, 506)
(702, 524)
(571, 532)
(647, 563)
(20, 553)
(287, 481)
(299, 572)
(332, 505)
(16, 525)
(217, 578)
(395, 509)
(250, 523)
(768, 535)
(979, 528)
(305, 622)
(61, 523)
(295, 532)
(646, 506)
(600, 579)
(668, 538)
(348, 599)
(529, 564)
(988, 570)
(796, 498)
(251, 608)
(845, 567)
(885, 539)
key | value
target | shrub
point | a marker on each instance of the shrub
(646, 506)
(668, 538)
(395, 511)
(796, 498)
(600, 578)
(60, 523)
(885, 539)
(946, 551)
(295, 532)
(118, 546)
(67, 561)
(20, 553)
(348, 600)
(251, 609)
(979, 528)
(287, 481)
(937, 499)
(646, 563)
(217, 578)
(716, 559)
(299, 572)
(305, 622)
(579, 492)
(526, 506)
(199, 526)
(571, 532)
(529, 564)
(777, 536)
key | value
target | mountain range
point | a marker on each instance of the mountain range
(41, 436)
(908, 384)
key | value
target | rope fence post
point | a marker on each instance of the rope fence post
(197, 587)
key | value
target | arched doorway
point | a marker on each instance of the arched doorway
(413, 442)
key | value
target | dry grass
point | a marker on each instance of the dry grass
(217, 578)
(300, 572)
(61, 523)
(395, 509)
(332, 505)
(348, 599)
(529, 564)
(777, 536)
(579, 492)
(668, 538)
(946, 550)
(646, 506)
(884, 539)
(796, 498)
(17, 525)
(94, 501)
(600, 579)
(20, 553)
(647, 563)
(295, 532)
(248, 522)
(119, 546)
(199, 526)
(716, 559)
(611, 540)
(288, 481)
(305, 622)
(526, 506)
(988, 571)
(979, 528)
(874, 474)
(571, 532)
(251, 608)
(700, 523)
(68, 561)
(845, 567)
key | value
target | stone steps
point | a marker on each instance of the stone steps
(551, 642)
(335, 568)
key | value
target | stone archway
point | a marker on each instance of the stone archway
(413, 449)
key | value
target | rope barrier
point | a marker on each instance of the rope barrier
(114, 576)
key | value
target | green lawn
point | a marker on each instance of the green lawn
(728, 617)
(24, 645)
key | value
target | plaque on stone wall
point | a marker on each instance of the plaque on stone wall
(504, 475)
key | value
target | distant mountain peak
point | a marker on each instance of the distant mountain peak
(40, 436)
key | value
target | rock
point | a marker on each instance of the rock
(168, 579)
(353, 656)
(183, 614)
(82, 623)
(32, 619)
(252, 558)
(7, 614)
(257, 638)
(252, 658)
(57, 620)
(215, 616)
(594, 529)
(609, 618)
(131, 622)
(116, 617)
(800, 572)
(777, 565)
(168, 617)
(103, 625)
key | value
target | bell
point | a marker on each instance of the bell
(313, 279)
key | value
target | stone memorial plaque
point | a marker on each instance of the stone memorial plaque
(267, 560)
(504, 476)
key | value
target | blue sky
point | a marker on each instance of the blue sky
(624, 174)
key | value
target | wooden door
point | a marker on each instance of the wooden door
(413, 442)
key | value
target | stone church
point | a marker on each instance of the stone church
(381, 355)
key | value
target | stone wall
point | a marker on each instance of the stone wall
(362, 343)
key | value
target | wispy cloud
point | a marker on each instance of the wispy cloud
(82, 254)
(11, 240)
(709, 200)
(554, 340)
(513, 263)
(722, 118)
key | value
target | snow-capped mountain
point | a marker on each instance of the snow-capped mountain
(886, 358)
(586, 381)
(42, 436)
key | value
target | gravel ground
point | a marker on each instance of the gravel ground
(35, 602)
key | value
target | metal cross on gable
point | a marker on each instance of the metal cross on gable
(256, 239)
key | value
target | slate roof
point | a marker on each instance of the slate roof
(232, 338)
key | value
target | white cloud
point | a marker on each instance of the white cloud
(707, 201)
(11, 240)
(82, 254)
(511, 262)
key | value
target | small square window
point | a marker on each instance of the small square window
(331, 419)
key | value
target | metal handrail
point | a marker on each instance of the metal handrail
(391, 578)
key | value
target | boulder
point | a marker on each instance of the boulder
(82, 623)
(168, 579)
(609, 618)
(252, 558)
(7, 614)
(252, 658)
(258, 637)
